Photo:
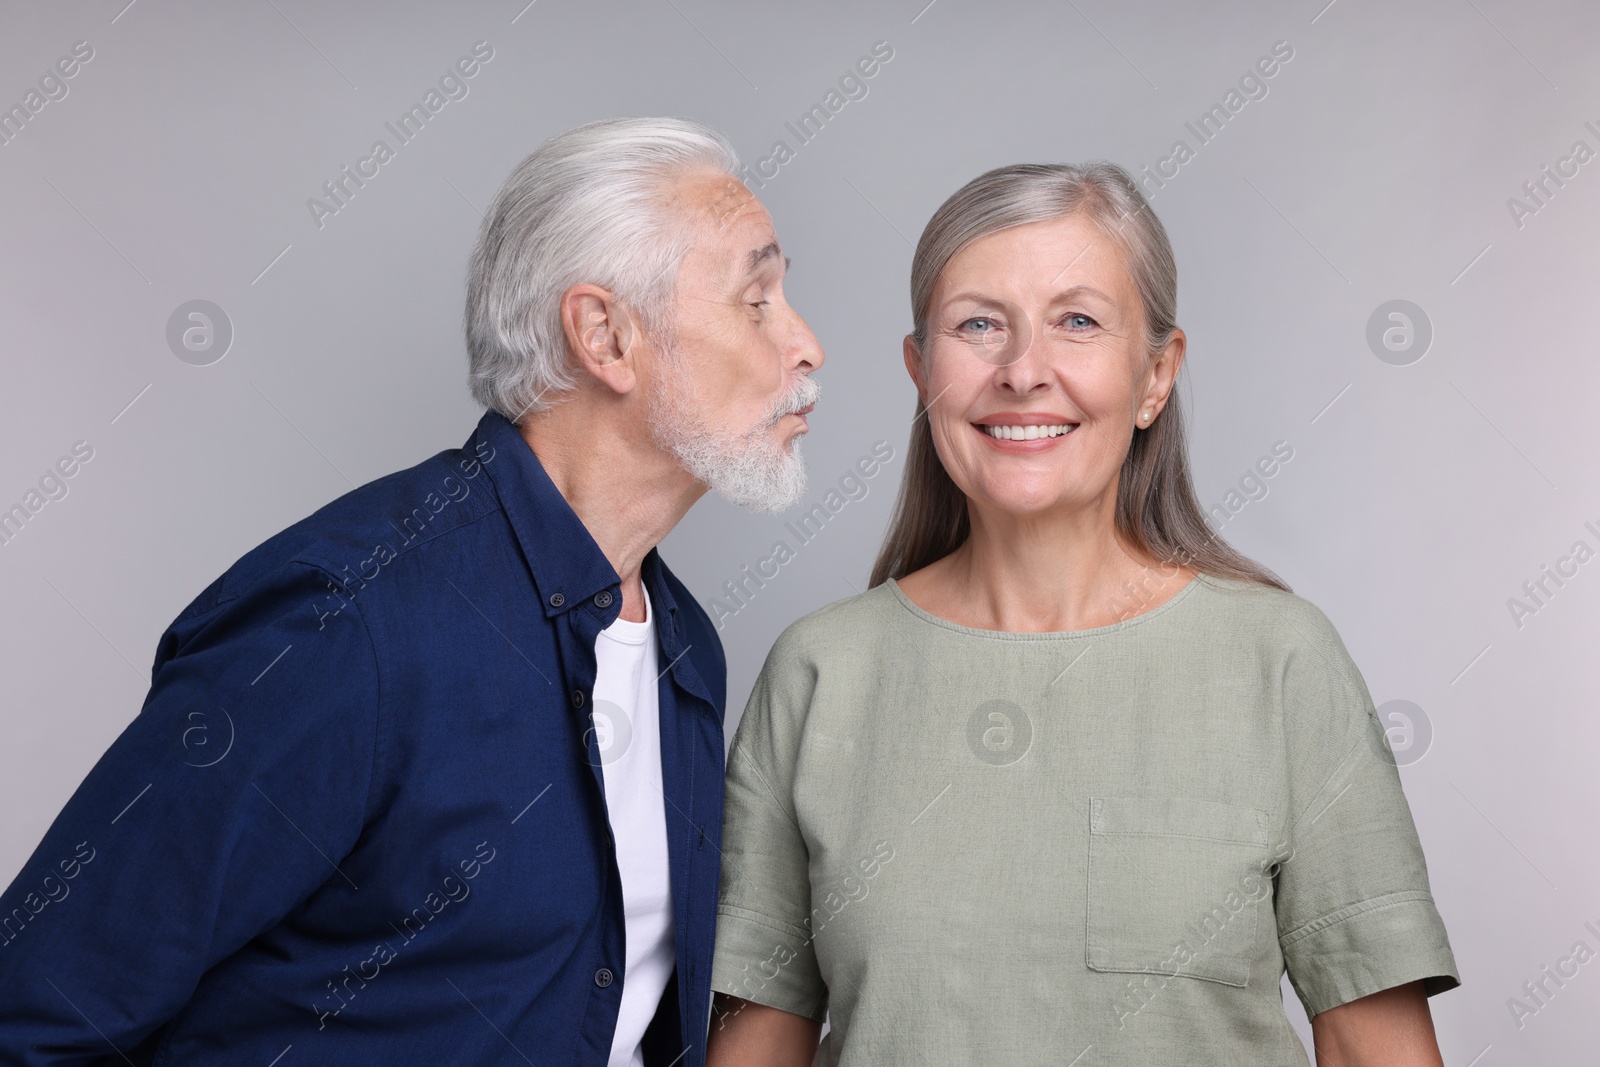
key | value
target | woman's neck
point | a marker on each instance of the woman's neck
(1043, 575)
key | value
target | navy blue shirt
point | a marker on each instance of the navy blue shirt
(360, 819)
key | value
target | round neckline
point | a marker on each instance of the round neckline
(1047, 635)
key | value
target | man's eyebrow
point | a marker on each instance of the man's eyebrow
(770, 250)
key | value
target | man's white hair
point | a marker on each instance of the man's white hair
(588, 205)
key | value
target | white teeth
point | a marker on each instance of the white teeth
(1027, 433)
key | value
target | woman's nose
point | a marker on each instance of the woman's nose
(1019, 360)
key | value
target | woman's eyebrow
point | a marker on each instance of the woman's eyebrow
(1081, 289)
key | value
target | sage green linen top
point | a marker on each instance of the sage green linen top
(969, 847)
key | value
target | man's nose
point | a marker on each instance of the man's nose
(802, 349)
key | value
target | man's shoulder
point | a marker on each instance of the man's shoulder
(356, 536)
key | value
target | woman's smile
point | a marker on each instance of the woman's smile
(1017, 433)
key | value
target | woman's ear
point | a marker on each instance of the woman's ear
(601, 335)
(1164, 373)
(913, 358)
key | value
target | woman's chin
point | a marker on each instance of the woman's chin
(1028, 502)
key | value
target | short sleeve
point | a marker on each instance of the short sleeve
(1354, 910)
(765, 950)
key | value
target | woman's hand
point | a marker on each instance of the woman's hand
(1389, 1029)
(747, 1034)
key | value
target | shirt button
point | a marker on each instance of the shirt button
(602, 599)
(556, 600)
(602, 977)
(577, 698)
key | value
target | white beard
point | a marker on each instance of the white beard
(748, 469)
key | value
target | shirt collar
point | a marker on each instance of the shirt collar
(567, 565)
(653, 572)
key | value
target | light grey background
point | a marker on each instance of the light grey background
(1378, 167)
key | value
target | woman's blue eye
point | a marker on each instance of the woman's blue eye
(988, 322)
(1078, 315)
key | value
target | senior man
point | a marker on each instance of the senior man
(435, 775)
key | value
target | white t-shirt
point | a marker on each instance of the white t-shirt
(626, 717)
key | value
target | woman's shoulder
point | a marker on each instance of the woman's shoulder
(844, 626)
(1241, 607)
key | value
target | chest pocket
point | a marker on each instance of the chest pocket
(1175, 887)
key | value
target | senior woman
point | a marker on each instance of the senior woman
(1073, 781)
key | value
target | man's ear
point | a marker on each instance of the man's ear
(602, 335)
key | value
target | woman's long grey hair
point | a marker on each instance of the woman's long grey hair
(1157, 512)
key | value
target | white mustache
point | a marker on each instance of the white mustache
(805, 393)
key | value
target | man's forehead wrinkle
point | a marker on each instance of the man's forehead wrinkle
(710, 201)
(732, 232)
(729, 199)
